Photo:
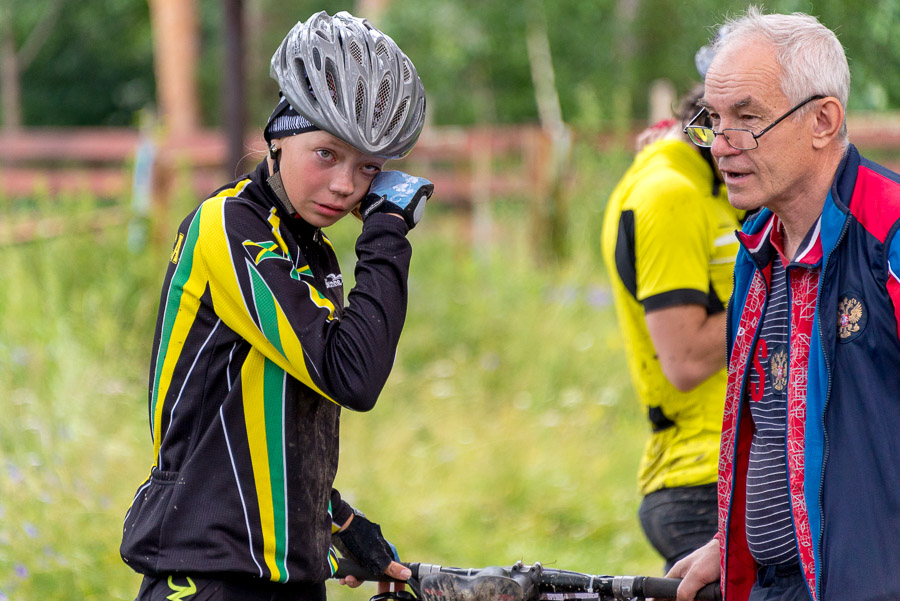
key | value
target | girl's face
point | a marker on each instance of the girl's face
(324, 177)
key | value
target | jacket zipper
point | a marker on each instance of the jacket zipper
(825, 446)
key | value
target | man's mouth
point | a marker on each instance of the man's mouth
(733, 176)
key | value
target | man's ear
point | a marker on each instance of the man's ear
(829, 117)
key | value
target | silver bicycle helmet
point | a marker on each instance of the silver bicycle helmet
(353, 81)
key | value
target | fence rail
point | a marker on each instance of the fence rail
(100, 160)
(469, 166)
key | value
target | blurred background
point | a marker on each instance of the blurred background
(508, 429)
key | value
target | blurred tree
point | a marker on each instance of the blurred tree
(550, 215)
(472, 55)
(175, 60)
(92, 64)
(13, 60)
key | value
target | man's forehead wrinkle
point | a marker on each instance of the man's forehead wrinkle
(704, 103)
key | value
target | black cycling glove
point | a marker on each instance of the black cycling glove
(363, 542)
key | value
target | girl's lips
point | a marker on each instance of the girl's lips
(329, 210)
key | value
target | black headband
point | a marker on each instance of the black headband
(285, 121)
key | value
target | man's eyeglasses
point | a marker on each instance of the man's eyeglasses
(739, 139)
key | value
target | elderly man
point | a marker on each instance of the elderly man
(809, 470)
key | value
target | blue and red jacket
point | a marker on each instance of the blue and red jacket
(843, 424)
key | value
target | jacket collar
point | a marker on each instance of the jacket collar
(765, 241)
(266, 197)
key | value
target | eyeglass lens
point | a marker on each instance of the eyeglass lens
(742, 139)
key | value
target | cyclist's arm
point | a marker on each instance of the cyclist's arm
(684, 315)
(690, 343)
(279, 310)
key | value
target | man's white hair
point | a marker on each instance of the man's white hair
(812, 59)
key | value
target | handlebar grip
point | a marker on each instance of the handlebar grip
(666, 588)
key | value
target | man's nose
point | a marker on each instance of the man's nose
(720, 147)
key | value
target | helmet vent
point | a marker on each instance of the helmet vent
(332, 83)
(418, 116)
(398, 117)
(300, 68)
(356, 52)
(317, 59)
(382, 101)
(360, 100)
(353, 82)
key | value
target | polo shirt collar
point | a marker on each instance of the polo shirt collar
(769, 241)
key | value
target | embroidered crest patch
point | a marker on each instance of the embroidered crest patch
(778, 368)
(852, 317)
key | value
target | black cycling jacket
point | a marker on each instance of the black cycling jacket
(253, 358)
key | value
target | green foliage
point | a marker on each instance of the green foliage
(471, 55)
(94, 68)
(473, 62)
(75, 316)
(507, 430)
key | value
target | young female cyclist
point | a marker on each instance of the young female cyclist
(255, 352)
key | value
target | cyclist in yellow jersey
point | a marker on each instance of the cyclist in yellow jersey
(669, 248)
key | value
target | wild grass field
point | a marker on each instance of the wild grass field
(507, 431)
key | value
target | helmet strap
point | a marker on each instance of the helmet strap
(277, 186)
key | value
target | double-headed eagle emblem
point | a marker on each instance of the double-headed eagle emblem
(850, 313)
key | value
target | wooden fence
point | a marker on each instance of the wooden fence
(469, 166)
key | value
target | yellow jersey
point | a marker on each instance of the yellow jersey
(668, 239)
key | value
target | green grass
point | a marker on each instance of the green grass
(507, 431)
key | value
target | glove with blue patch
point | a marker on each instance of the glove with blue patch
(398, 193)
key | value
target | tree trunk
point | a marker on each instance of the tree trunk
(234, 91)
(626, 49)
(549, 215)
(14, 62)
(9, 72)
(175, 62)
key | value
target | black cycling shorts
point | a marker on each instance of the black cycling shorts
(202, 588)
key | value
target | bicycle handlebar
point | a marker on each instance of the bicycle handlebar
(618, 588)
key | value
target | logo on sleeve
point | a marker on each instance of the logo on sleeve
(334, 280)
(260, 251)
(852, 317)
(176, 250)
